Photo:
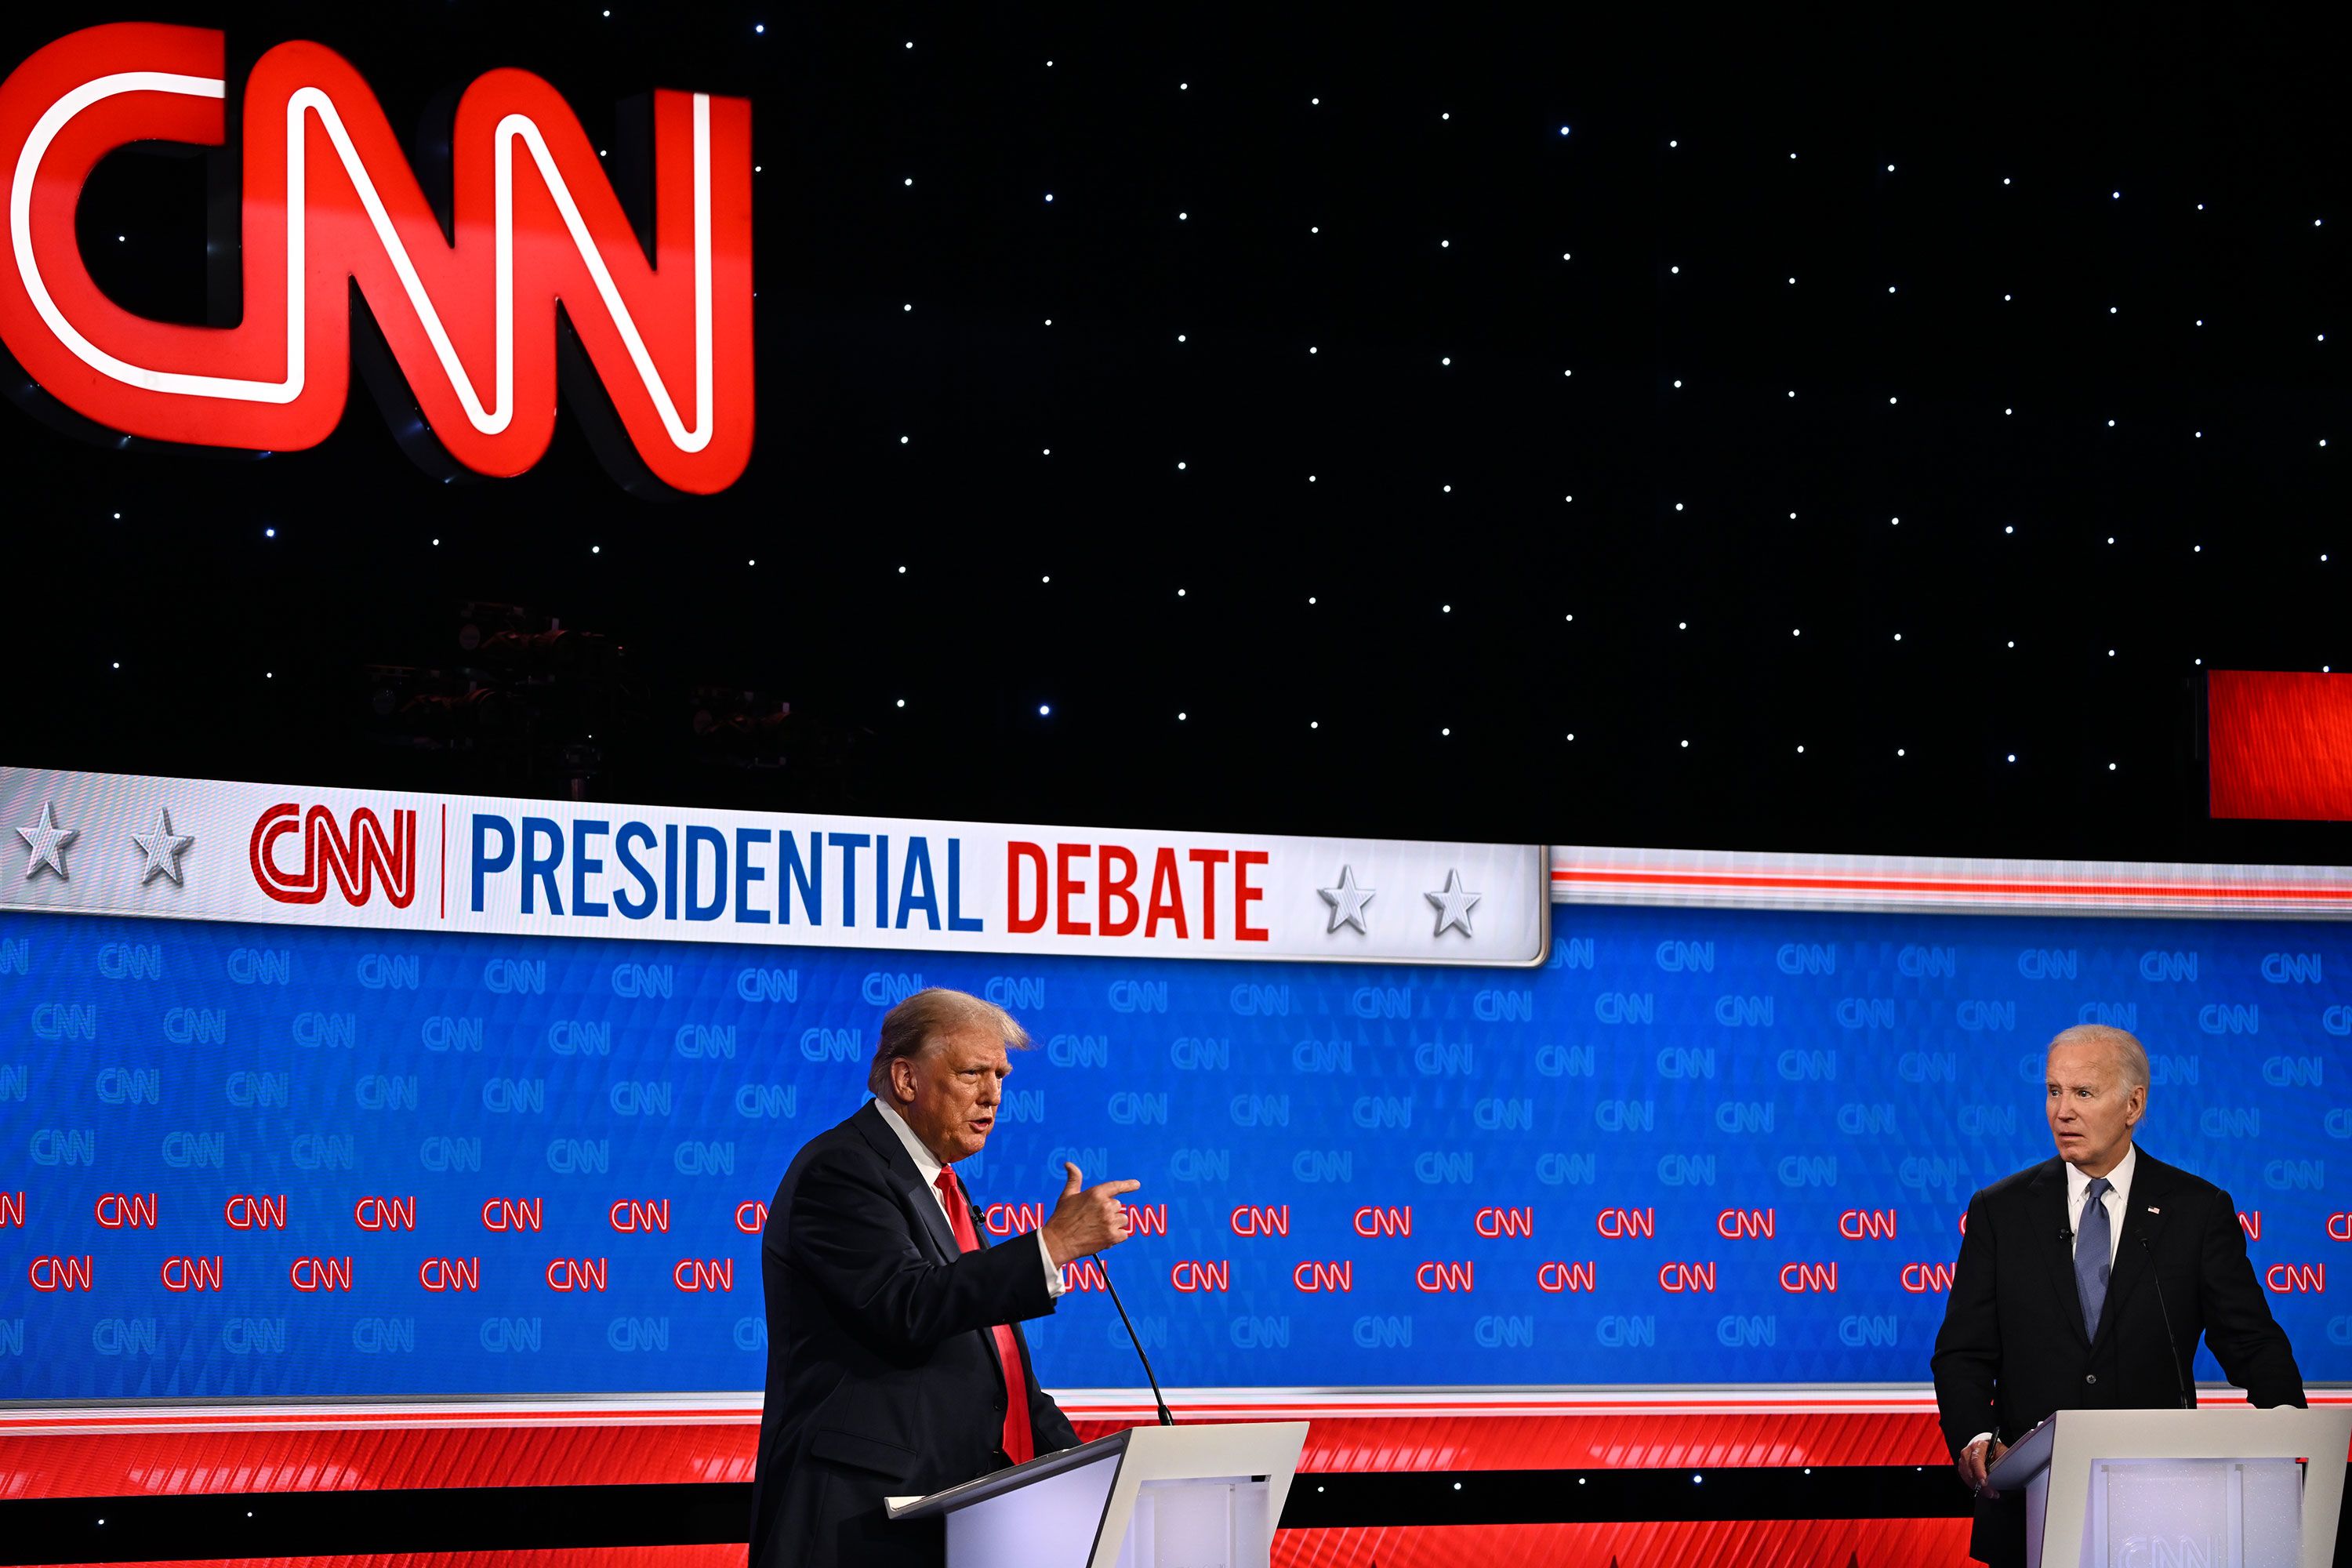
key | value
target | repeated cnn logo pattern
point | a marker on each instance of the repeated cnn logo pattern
(1714, 1147)
(329, 199)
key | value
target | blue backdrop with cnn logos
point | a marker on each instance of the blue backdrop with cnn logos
(1698, 1147)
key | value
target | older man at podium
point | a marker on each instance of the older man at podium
(895, 1364)
(2083, 1283)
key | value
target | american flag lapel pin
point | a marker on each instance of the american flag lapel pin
(2153, 1209)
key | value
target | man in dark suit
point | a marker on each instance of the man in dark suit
(2048, 1309)
(894, 1364)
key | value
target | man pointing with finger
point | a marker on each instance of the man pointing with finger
(895, 1366)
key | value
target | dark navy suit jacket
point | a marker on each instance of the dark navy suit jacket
(2012, 1348)
(882, 1373)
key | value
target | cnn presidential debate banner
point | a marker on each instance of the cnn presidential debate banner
(346, 1094)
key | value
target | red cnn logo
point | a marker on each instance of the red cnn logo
(354, 861)
(329, 200)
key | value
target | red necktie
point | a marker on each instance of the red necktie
(1019, 1447)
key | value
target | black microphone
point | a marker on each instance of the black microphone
(2171, 1345)
(1165, 1418)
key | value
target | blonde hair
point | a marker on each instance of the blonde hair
(909, 1029)
(2130, 1054)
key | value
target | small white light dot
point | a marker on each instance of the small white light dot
(902, 570)
(2111, 767)
(1310, 598)
(902, 440)
(2111, 653)
(1180, 718)
(2012, 642)
(1312, 348)
(1685, 745)
(761, 27)
(2114, 195)
(1181, 217)
(1445, 609)
(118, 664)
(2012, 757)
(906, 307)
(1571, 617)
(902, 702)
(1792, 517)
(2009, 528)
(1447, 360)
(1898, 636)
(1179, 467)
(2111, 424)
(1800, 750)
(1179, 337)
(1898, 750)
(268, 534)
(910, 179)
(2197, 549)
(595, 549)
(118, 517)
(1444, 245)
(1047, 578)
(1796, 631)
(2111, 539)
(1180, 592)
(1571, 734)
(1673, 144)
(1315, 724)
(1890, 288)
(1445, 732)
(1447, 489)
(2004, 180)
(1896, 522)
(437, 541)
(1678, 383)
(1046, 451)
(1676, 270)
(1044, 710)
(1563, 131)
(1678, 506)
(1682, 625)
(1890, 400)
(754, 561)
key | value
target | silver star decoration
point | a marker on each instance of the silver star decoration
(49, 843)
(1347, 901)
(1453, 905)
(163, 848)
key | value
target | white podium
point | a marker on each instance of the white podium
(2233, 1488)
(1198, 1497)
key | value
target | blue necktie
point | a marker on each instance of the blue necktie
(2092, 1251)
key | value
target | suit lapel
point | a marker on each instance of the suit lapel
(2051, 1224)
(920, 1200)
(2151, 1179)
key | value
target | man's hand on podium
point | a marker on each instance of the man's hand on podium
(1084, 1222)
(1976, 1459)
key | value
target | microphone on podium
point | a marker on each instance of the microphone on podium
(1165, 1418)
(2171, 1345)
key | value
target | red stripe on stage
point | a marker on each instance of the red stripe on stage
(267, 1459)
(2280, 744)
(1758, 1543)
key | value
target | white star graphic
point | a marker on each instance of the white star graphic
(49, 843)
(163, 848)
(1347, 901)
(1453, 905)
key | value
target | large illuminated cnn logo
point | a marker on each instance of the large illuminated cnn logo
(329, 200)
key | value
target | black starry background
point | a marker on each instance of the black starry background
(1386, 433)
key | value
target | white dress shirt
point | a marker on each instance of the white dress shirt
(927, 1166)
(2078, 1194)
(2118, 1194)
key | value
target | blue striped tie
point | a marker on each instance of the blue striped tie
(2092, 1251)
